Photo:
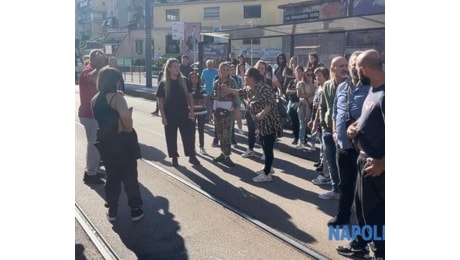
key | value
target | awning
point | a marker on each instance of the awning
(343, 24)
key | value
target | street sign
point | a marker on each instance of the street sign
(178, 31)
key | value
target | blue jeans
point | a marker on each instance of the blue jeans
(330, 155)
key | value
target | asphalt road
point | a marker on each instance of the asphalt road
(181, 223)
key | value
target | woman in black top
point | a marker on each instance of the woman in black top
(117, 143)
(176, 108)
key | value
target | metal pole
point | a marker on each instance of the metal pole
(148, 42)
(252, 63)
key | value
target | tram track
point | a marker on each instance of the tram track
(310, 252)
(108, 252)
(94, 235)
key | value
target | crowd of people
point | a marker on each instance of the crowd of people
(341, 107)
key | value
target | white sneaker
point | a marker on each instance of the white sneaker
(262, 171)
(300, 146)
(262, 157)
(330, 195)
(203, 151)
(262, 178)
(312, 147)
(248, 153)
(320, 180)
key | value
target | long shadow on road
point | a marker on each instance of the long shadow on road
(244, 200)
(156, 235)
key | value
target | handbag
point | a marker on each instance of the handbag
(281, 109)
(221, 113)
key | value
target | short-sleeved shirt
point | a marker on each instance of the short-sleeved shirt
(175, 104)
(207, 76)
(87, 91)
(371, 123)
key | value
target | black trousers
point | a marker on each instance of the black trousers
(268, 142)
(121, 168)
(348, 169)
(295, 123)
(370, 202)
(251, 130)
(200, 120)
(187, 132)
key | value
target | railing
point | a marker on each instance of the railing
(135, 74)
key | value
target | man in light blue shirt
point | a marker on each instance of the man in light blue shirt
(207, 77)
(347, 106)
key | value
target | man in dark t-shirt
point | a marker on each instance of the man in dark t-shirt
(368, 133)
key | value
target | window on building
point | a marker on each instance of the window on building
(172, 15)
(172, 46)
(252, 11)
(254, 41)
(139, 47)
(211, 13)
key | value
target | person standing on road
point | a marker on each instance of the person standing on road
(113, 62)
(176, 109)
(87, 85)
(262, 107)
(368, 133)
(207, 77)
(322, 75)
(347, 107)
(185, 67)
(339, 73)
(117, 143)
(160, 77)
(199, 106)
(223, 105)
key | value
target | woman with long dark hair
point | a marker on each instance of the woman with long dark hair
(176, 109)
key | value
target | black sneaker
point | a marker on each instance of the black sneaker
(295, 141)
(193, 160)
(338, 221)
(220, 158)
(92, 179)
(137, 214)
(101, 175)
(317, 164)
(227, 161)
(319, 168)
(354, 249)
(112, 214)
(175, 163)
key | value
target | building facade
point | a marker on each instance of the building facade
(177, 27)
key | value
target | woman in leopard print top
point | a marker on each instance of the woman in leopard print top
(262, 106)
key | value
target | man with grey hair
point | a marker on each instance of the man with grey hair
(207, 77)
(87, 85)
